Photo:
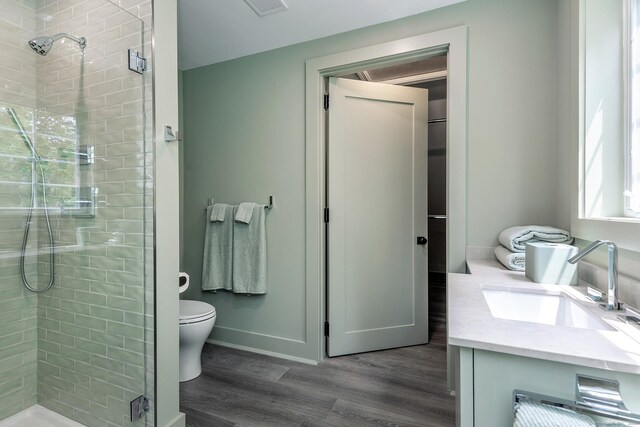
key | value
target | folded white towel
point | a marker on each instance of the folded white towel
(511, 260)
(533, 414)
(218, 212)
(250, 254)
(217, 256)
(245, 212)
(516, 238)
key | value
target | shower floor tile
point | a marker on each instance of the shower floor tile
(37, 416)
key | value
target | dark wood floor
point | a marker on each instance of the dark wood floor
(399, 387)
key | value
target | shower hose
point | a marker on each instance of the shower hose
(36, 160)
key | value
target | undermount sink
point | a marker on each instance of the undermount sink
(545, 308)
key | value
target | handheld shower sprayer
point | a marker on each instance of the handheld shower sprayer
(42, 45)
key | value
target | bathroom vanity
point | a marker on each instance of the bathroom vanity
(512, 334)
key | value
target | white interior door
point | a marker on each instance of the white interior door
(377, 199)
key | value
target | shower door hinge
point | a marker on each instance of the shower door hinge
(326, 329)
(139, 406)
(326, 215)
(136, 63)
(326, 102)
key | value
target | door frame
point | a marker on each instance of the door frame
(454, 42)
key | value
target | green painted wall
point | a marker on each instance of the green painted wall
(244, 140)
(167, 214)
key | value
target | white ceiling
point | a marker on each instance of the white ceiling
(213, 31)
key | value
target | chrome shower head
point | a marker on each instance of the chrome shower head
(42, 45)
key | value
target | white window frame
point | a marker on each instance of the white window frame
(624, 231)
(632, 136)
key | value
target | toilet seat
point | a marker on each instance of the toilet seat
(195, 311)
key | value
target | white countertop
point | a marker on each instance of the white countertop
(470, 324)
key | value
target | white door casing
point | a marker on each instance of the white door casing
(377, 197)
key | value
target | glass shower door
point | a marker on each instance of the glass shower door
(75, 128)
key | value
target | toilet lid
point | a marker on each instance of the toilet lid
(191, 311)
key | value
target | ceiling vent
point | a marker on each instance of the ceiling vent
(266, 7)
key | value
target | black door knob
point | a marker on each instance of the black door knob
(422, 240)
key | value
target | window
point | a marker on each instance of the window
(632, 113)
(610, 153)
(604, 110)
(605, 195)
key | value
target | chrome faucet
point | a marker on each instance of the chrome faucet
(612, 288)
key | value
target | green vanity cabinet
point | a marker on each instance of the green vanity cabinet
(487, 381)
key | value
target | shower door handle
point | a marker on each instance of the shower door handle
(421, 240)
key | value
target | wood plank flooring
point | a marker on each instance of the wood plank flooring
(399, 387)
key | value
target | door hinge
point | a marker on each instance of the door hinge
(139, 406)
(136, 62)
(326, 102)
(326, 215)
(326, 329)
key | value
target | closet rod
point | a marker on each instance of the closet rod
(437, 120)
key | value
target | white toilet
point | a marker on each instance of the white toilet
(196, 322)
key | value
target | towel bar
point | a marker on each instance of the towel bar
(269, 206)
(599, 411)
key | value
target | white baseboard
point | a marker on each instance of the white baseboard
(265, 352)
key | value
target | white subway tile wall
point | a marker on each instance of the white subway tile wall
(18, 322)
(94, 348)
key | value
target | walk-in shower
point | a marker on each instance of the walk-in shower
(76, 213)
(42, 45)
